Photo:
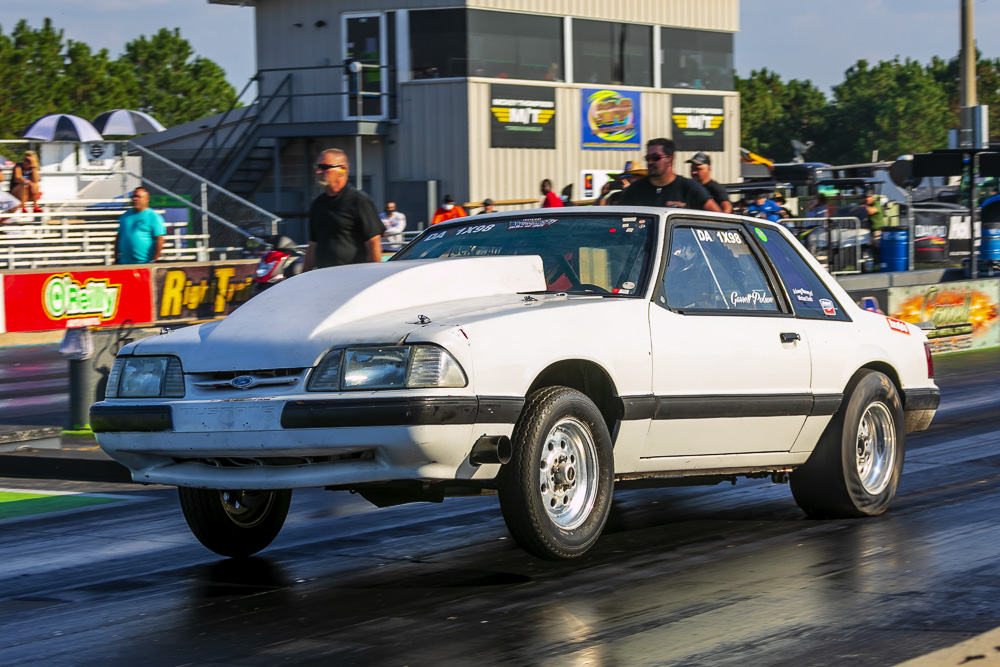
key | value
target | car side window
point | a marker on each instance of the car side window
(809, 296)
(713, 269)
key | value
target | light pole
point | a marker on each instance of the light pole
(357, 68)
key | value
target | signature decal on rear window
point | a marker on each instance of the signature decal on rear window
(899, 326)
(751, 299)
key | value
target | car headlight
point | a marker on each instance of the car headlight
(146, 377)
(387, 367)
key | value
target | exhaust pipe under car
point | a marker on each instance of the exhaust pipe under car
(491, 449)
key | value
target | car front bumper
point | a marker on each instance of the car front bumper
(279, 444)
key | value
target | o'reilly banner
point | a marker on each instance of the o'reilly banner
(522, 116)
(698, 122)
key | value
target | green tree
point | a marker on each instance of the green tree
(894, 107)
(32, 61)
(47, 74)
(172, 84)
(773, 112)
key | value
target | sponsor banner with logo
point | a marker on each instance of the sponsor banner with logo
(698, 122)
(964, 314)
(47, 301)
(522, 116)
(611, 119)
(203, 291)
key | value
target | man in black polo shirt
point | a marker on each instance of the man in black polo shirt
(344, 227)
(701, 171)
(663, 187)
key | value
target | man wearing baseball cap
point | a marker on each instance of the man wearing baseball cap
(448, 210)
(701, 171)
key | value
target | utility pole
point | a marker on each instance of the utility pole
(968, 57)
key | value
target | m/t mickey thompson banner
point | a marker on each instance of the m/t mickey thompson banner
(522, 116)
(697, 122)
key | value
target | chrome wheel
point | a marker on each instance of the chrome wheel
(876, 448)
(568, 473)
(247, 508)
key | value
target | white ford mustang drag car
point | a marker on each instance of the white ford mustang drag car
(545, 356)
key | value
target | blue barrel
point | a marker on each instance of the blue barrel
(893, 254)
(989, 251)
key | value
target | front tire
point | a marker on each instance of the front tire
(234, 523)
(555, 493)
(855, 469)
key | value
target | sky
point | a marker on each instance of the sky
(799, 39)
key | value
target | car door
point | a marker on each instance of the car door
(731, 365)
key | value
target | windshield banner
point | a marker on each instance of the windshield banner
(522, 116)
(964, 314)
(698, 122)
(611, 119)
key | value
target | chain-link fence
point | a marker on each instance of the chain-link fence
(225, 221)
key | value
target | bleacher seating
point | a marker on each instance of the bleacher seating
(82, 232)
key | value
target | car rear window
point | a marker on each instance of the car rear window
(809, 296)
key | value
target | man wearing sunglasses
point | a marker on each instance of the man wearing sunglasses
(344, 227)
(663, 187)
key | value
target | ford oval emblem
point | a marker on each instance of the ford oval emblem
(242, 382)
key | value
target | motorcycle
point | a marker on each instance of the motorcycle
(281, 260)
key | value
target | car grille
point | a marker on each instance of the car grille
(257, 378)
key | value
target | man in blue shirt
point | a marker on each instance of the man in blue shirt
(140, 232)
(766, 208)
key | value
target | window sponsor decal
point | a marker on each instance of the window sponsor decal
(760, 234)
(803, 294)
(751, 299)
(531, 223)
(828, 307)
(628, 285)
(898, 326)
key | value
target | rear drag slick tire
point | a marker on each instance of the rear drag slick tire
(856, 466)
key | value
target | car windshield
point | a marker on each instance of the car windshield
(589, 254)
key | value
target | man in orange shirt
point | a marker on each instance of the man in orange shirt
(448, 210)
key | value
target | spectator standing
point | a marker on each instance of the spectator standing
(630, 174)
(140, 232)
(344, 226)
(26, 180)
(762, 207)
(549, 198)
(448, 210)
(664, 187)
(819, 207)
(876, 221)
(701, 171)
(395, 223)
(488, 206)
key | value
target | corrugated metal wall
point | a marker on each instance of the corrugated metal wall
(516, 173)
(432, 141)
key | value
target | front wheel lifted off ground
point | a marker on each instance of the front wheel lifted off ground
(555, 493)
(855, 469)
(234, 523)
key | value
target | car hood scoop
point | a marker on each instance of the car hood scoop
(294, 322)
